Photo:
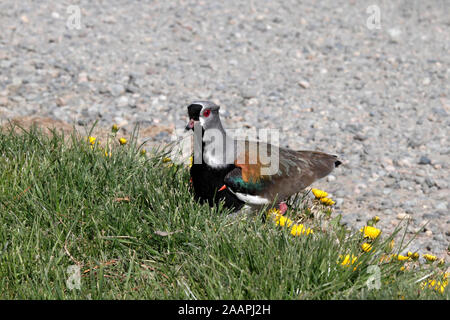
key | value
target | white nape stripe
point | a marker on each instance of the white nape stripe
(248, 198)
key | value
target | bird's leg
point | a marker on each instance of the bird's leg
(283, 207)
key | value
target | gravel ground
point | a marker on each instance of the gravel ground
(379, 98)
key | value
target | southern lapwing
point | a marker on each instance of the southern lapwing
(247, 172)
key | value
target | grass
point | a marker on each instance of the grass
(130, 224)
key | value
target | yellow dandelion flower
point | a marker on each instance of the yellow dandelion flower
(319, 194)
(327, 201)
(274, 211)
(401, 258)
(122, 141)
(430, 257)
(296, 230)
(376, 219)
(434, 284)
(299, 229)
(347, 260)
(366, 247)
(402, 268)
(423, 285)
(278, 218)
(412, 255)
(114, 128)
(166, 159)
(143, 152)
(370, 232)
(283, 221)
(91, 140)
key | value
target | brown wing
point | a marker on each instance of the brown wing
(284, 171)
(299, 169)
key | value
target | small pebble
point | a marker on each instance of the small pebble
(403, 216)
(304, 84)
(424, 160)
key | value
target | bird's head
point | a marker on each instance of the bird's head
(206, 113)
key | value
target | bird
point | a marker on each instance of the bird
(247, 173)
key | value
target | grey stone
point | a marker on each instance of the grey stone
(395, 34)
(122, 102)
(424, 160)
(439, 111)
(116, 90)
(429, 182)
(430, 216)
(339, 202)
(248, 93)
(441, 206)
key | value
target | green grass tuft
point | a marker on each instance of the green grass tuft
(130, 223)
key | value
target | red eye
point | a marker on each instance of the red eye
(206, 113)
